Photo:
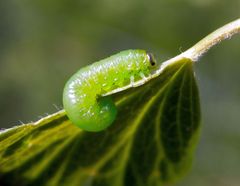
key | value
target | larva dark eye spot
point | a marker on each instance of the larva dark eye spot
(151, 59)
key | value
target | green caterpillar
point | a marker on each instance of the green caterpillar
(85, 96)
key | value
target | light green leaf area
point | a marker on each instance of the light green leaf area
(151, 142)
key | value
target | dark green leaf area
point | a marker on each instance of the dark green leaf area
(151, 142)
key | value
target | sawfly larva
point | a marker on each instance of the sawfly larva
(86, 95)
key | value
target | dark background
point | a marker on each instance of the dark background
(43, 42)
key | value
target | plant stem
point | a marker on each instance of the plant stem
(225, 32)
(196, 51)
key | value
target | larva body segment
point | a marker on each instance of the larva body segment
(83, 97)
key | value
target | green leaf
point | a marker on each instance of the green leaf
(151, 142)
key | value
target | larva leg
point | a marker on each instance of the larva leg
(142, 81)
(143, 76)
(137, 83)
(132, 80)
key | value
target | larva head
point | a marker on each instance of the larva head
(151, 60)
(141, 62)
